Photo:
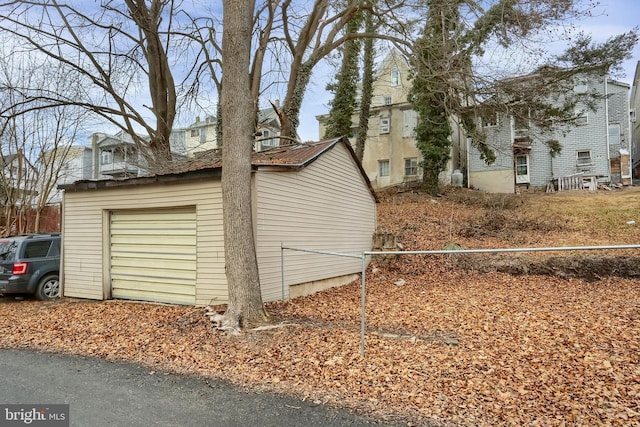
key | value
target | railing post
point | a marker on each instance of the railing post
(282, 268)
(364, 295)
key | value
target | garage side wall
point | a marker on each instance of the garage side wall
(325, 206)
(86, 234)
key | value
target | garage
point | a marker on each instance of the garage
(153, 255)
(161, 237)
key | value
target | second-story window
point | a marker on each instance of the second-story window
(106, 157)
(489, 120)
(386, 99)
(267, 143)
(385, 124)
(581, 118)
(614, 134)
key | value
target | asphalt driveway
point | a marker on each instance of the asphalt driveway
(102, 393)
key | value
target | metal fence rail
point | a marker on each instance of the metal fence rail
(363, 256)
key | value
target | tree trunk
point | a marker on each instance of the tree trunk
(245, 301)
(430, 182)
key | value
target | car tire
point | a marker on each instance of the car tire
(48, 287)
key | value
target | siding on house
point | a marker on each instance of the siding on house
(325, 206)
(592, 136)
(86, 230)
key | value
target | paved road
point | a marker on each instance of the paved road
(102, 393)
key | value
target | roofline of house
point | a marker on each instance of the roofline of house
(142, 180)
(212, 172)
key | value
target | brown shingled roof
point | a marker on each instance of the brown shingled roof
(210, 162)
(294, 155)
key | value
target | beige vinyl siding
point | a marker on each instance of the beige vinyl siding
(86, 215)
(153, 255)
(325, 206)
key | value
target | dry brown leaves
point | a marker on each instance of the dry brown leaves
(448, 347)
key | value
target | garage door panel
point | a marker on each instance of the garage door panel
(176, 240)
(150, 217)
(175, 298)
(161, 268)
(152, 286)
(127, 276)
(153, 249)
(153, 255)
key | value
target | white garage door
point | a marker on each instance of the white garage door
(153, 255)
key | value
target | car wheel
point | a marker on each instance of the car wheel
(48, 288)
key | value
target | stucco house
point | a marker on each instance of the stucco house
(160, 237)
(391, 156)
(594, 147)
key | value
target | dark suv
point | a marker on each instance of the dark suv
(30, 265)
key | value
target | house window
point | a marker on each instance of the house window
(581, 87)
(267, 143)
(409, 123)
(106, 157)
(385, 124)
(581, 118)
(386, 99)
(383, 168)
(522, 169)
(354, 132)
(490, 120)
(203, 136)
(614, 134)
(411, 166)
(195, 133)
(522, 166)
(584, 158)
(520, 127)
(395, 76)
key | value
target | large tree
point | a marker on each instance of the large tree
(452, 81)
(109, 53)
(245, 301)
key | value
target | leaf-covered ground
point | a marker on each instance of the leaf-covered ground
(447, 347)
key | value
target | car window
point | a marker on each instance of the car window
(8, 249)
(37, 249)
(55, 248)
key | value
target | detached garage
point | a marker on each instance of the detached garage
(160, 238)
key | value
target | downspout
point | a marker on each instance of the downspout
(629, 141)
(606, 112)
(468, 157)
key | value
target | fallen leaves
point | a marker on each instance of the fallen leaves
(446, 347)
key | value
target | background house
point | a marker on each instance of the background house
(595, 146)
(18, 174)
(160, 238)
(390, 155)
(635, 123)
(77, 165)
